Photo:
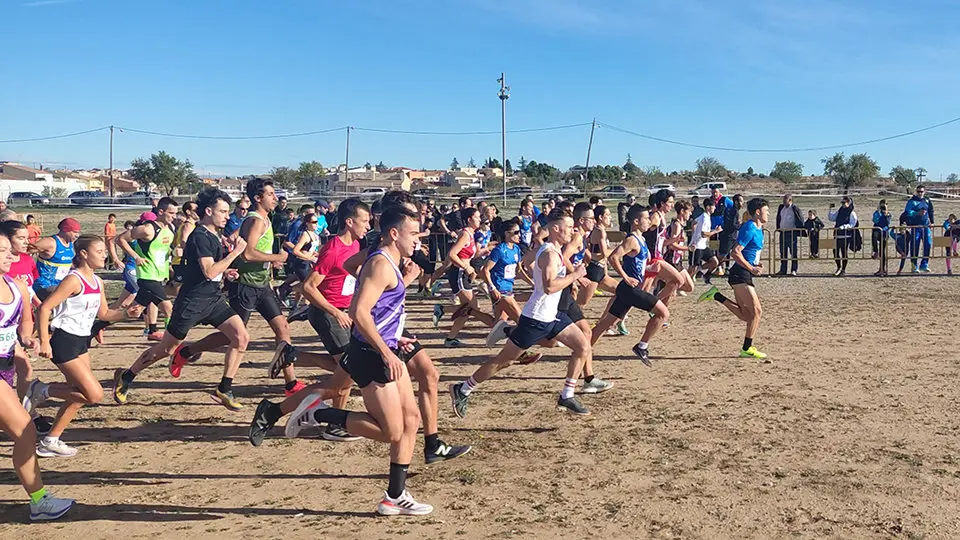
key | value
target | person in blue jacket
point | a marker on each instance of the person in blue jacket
(919, 212)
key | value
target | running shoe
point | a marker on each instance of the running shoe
(665, 325)
(178, 360)
(452, 342)
(54, 448)
(338, 434)
(296, 388)
(596, 386)
(49, 508)
(35, 395)
(529, 357)
(43, 425)
(299, 314)
(404, 505)
(572, 405)
(285, 355)
(437, 314)
(642, 354)
(709, 294)
(752, 352)
(227, 400)
(925, 269)
(302, 416)
(460, 401)
(155, 336)
(435, 288)
(498, 333)
(622, 329)
(445, 452)
(261, 423)
(120, 386)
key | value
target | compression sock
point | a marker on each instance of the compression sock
(747, 343)
(226, 385)
(398, 480)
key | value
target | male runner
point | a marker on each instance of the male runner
(55, 257)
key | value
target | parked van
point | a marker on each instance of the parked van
(704, 189)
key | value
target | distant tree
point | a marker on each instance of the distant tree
(472, 164)
(454, 164)
(492, 163)
(852, 171)
(749, 171)
(710, 167)
(381, 167)
(786, 171)
(308, 173)
(368, 165)
(541, 172)
(631, 169)
(522, 163)
(284, 177)
(921, 172)
(903, 177)
(652, 171)
(164, 172)
(509, 167)
(952, 178)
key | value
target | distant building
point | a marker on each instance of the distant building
(462, 179)
(17, 171)
(358, 179)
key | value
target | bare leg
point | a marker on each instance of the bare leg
(750, 306)
(81, 388)
(15, 422)
(428, 382)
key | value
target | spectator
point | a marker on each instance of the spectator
(902, 238)
(845, 222)
(109, 234)
(622, 209)
(875, 234)
(881, 224)
(919, 211)
(237, 217)
(813, 225)
(595, 201)
(789, 225)
(697, 208)
(34, 232)
(321, 208)
(548, 206)
(730, 223)
(721, 205)
(951, 229)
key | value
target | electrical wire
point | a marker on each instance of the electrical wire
(457, 133)
(232, 137)
(52, 137)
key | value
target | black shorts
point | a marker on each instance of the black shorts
(726, 242)
(423, 261)
(365, 365)
(739, 275)
(190, 311)
(150, 292)
(245, 299)
(301, 269)
(335, 338)
(458, 280)
(596, 272)
(66, 346)
(529, 332)
(701, 256)
(568, 304)
(43, 292)
(631, 297)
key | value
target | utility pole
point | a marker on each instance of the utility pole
(586, 173)
(504, 96)
(111, 162)
(346, 164)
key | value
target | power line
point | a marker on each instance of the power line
(782, 150)
(52, 137)
(458, 133)
(232, 137)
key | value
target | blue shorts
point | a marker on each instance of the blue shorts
(529, 331)
(130, 279)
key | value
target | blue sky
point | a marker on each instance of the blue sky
(737, 73)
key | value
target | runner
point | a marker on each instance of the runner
(540, 319)
(186, 227)
(499, 273)
(746, 254)
(704, 259)
(373, 361)
(598, 247)
(676, 246)
(200, 301)
(70, 310)
(630, 292)
(54, 257)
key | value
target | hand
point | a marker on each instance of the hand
(45, 350)
(231, 274)
(139, 260)
(580, 271)
(633, 283)
(134, 311)
(277, 265)
(495, 295)
(756, 269)
(719, 229)
(240, 244)
(283, 256)
(406, 344)
(394, 365)
(471, 273)
(343, 319)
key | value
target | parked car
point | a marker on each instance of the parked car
(372, 194)
(424, 194)
(657, 187)
(567, 192)
(704, 189)
(87, 197)
(26, 198)
(477, 193)
(519, 191)
(139, 197)
(614, 191)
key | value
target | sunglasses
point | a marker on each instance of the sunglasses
(515, 231)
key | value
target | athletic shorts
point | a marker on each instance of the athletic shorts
(66, 346)
(365, 365)
(301, 269)
(596, 272)
(701, 256)
(568, 304)
(529, 332)
(458, 280)
(335, 338)
(190, 311)
(739, 275)
(130, 280)
(647, 271)
(245, 299)
(423, 261)
(150, 292)
(7, 376)
(631, 297)
(43, 292)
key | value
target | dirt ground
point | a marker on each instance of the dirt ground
(848, 430)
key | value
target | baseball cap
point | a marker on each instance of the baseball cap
(322, 204)
(148, 216)
(69, 225)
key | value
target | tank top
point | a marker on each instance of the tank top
(577, 257)
(468, 250)
(257, 274)
(675, 255)
(388, 313)
(181, 242)
(155, 254)
(634, 265)
(542, 306)
(53, 270)
(10, 319)
(526, 229)
(77, 313)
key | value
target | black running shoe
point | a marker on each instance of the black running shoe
(285, 355)
(445, 452)
(338, 434)
(261, 423)
(459, 400)
(643, 354)
(300, 314)
(573, 405)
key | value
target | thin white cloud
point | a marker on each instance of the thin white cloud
(43, 3)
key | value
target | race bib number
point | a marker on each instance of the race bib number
(400, 325)
(62, 272)
(8, 339)
(349, 285)
(510, 271)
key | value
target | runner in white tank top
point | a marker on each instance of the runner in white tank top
(542, 306)
(77, 313)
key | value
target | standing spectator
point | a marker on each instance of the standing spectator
(548, 206)
(875, 234)
(919, 211)
(622, 209)
(237, 217)
(109, 234)
(813, 225)
(595, 201)
(730, 223)
(697, 209)
(321, 208)
(901, 239)
(951, 229)
(721, 205)
(881, 223)
(845, 221)
(789, 225)
(34, 232)
(281, 227)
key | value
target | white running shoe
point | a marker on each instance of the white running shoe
(54, 448)
(596, 386)
(35, 395)
(50, 508)
(404, 505)
(498, 333)
(302, 416)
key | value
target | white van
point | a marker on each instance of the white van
(705, 189)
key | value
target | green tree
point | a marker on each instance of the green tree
(631, 169)
(710, 167)
(541, 172)
(54, 193)
(164, 172)
(749, 171)
(381, 167)
(904, 177)
(492, 163)
(852, 171)
(308, 174)
(786, 171)
(472, 164)
(921, 172)
(509, 169)
(284, 177)
(952, 178)
(454, 164)
(522, 163)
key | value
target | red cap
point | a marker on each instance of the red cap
(69, 225)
